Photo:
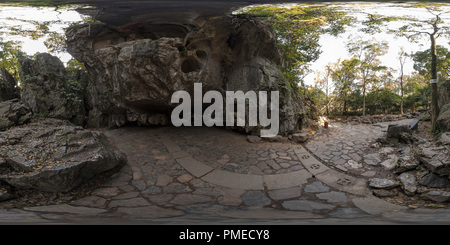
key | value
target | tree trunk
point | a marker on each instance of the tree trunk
(401, 92)
(434, 93)
(364, 99)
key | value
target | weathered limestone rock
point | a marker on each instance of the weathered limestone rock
(434, 181)
(438, 196)
(54, 155)
(409, 183)
(135, 69)
(253, 139)
(13, 112)
(380, 183)
(443, 120)
(390, 162)
(300, 137)
(8, 86)
(394, 130)
(443, 91)
(445, 138)
(405, 163)
(436, 159)
(49, 90)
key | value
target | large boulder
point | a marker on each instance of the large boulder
(135, 69)
(443, 91)
(50, 91)
(54, 155)
(13, 112)
(435, 158)
(8, 86)
(443, 120)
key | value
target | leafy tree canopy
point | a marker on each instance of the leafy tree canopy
(298, 29)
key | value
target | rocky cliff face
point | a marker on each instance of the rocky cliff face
(50, 91)
(135, 69)
(8, 88)
(443, 121)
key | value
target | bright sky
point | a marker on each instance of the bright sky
(12, 16)
(333, 48)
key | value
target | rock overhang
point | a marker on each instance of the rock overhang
(144, 51)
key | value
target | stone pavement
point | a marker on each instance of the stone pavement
(199, 175)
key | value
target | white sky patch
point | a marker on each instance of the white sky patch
(18, 15)
(334, 48)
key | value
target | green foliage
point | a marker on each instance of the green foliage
(383, 101)
(56, 43)
(10, 54)
(298, 30)
(422, 62)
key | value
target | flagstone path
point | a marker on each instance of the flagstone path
(211, 175)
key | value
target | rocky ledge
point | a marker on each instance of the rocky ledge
(53, 155)
(421, 170)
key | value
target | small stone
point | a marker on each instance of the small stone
(386, 150)
(372, 159)
(316, 186)
(5, 195)
(433, 180)
(188, 199)
(184, 178)
(106, 191)
(176, 188)
(333, 196)
(384, 193)
(406, 163)
(353, 164)
(255, 198)
(382, 183)
(438, 196)
(253, 139)
(285, 193)
(409, 183)
(445, 138)
(390, 163)
(300, 137)
(163, 180)
(153, 190)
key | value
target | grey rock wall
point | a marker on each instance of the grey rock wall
(135, 69)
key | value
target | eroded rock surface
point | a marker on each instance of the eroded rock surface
(13, 112)
(8, 86)
(50, 91)
(135, 69)
(54, 155)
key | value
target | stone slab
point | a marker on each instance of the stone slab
(180, 154)
(286, 193)
(313, 165)
(286, 180)
(194, 167)
(375, 206)
(343, 182)
(233, 180)
(298, 149)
